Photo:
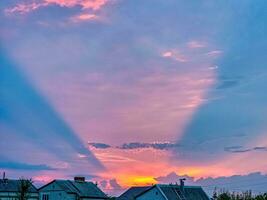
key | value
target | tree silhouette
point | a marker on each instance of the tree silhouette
(24, 188)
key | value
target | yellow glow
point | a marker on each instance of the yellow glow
(144, 181)
(131, 180)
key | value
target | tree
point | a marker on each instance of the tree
(215, 195)
(24, 188)
(224, 196)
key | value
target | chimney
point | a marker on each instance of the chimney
(182, 180)
(5, 180)
(79, 179)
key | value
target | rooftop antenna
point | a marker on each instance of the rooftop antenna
(182, 180)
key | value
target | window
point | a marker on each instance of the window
(45, 197)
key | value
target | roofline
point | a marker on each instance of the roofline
(47, 184)
(186, 186)
(154, 186)
(157, 186)
(151, 187)
(165, 185)
(77, 193)
(25, 180)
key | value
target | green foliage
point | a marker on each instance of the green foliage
(247, 195)
(24, 189)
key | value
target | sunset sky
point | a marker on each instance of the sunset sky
(134, 92)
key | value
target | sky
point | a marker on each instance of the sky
(131, 92)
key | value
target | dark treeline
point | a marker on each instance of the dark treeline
(247, 195)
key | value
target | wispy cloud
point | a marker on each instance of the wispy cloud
(9, 165)
(86, 10)
(138, 145)
(195, 44)
(214, 53)
(174, 55)
(155, 145)
(241, 149)
(99, 145)
(84, 17)
(23, 8)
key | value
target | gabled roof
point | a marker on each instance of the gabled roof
(132, 192)
(174, 192)
(82, 189)
(9, 185)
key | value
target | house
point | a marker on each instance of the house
(11, 189)
(78, 189)
(132, 192)
(173, 192)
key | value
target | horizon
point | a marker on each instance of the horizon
(130, 93)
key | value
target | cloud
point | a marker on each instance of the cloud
(253, 181)
(23, 8)
(174, 54)
(195, 44)
(137, 145)
(241, 149)
(260, 148)
(84, 17)
(99, 145)
(156, 145)
(114, 184)
(24, 166)
(174, 178)
(236, 149)
(214, 53)
(85, 4)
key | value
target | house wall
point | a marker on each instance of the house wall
(54, 192)
(14, 195)
(154, 194)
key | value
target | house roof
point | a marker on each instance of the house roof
(82, 189)
(174, 192)
(132, 192)
(9, 185)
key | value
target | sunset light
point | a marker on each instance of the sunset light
(133, 95)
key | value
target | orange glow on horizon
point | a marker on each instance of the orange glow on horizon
(135, 180)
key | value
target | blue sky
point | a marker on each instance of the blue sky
(101, 85)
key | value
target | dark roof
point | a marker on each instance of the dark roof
(82, 189)
(132, 192)
(174, 192)
(7, 185)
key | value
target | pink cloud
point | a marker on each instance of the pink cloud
(84, 17)
(85, 4)
(214, 53)
(174, 55)
(195, 44)
(23, 8)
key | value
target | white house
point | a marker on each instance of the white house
(173, 192)
(78, 189)
(10, 190)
